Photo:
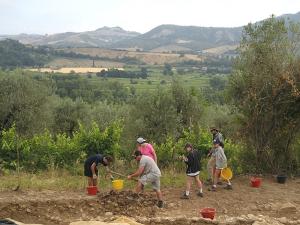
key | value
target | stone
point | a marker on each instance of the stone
(28, 210)
(287, 208)
(109, 214)
(283, 220)
(172, 205)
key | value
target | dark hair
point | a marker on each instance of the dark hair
(187, 145)
(214, 129)
(109, 158)
(137, 153)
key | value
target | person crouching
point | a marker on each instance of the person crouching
(90, 167)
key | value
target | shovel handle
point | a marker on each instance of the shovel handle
(122, 175)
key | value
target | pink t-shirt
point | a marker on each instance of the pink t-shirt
(147, 150)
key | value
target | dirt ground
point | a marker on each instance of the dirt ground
(51, 207)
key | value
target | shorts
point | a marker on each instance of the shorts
(88, 172)
(150, 178)
(221, 166)
(193, 174)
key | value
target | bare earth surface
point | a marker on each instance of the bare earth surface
(273, 200)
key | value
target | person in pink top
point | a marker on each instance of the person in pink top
(146, 148)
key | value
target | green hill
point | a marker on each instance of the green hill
(14, 54)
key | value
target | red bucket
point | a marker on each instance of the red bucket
(255, 182)
(208, 213)
(92, 190)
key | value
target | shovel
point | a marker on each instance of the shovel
(122, 175)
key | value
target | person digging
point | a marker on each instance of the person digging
(90, 168)
(192, 161)
(148, 172)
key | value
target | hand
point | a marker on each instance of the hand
(129, 177)
(95, 176)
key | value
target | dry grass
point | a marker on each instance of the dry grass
(71, 70)
(146, 57)
(68, 62)
(60, 180)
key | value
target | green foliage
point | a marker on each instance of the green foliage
(168, 69)
(201, 139)
(23, 101)
(45, 151)
(14, 54)
(265, 89)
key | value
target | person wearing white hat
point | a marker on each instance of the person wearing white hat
(146, 148)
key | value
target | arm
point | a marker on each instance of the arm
(108, 172)
(153, 153)
(155, 156)
(93, 169)
(137, 173)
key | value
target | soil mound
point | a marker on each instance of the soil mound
(128, 203)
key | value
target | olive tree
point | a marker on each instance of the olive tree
(264, 88)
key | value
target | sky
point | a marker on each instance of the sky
(56, 16)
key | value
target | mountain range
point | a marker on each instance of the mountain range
(164, 38)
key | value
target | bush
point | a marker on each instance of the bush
(45, 151)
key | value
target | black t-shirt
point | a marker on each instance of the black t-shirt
(193, 162)
(95, 159)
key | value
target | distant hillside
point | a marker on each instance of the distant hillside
(99, 38)
(167, 38)
(189, 38)
(164, 38)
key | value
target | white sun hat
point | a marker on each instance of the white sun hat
(140, 140)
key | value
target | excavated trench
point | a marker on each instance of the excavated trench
(107, 207)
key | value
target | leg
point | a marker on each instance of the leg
(209, 168)
(216, 177)
(95, 182)
(139, 187)
(189, 181)
(199, 185)
(159, 195)
(156, 188)
(90, 181)
(198, 182)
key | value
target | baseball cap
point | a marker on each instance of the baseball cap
(140, 140)
(216, 141)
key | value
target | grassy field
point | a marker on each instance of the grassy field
(63, 180)
(196, 80)
(156, 78)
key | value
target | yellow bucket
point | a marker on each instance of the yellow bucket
(226, 173)
(118, 184)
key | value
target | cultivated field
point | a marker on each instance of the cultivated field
(71, 70)
(151, 58)
(71, 62)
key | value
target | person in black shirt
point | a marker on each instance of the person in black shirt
(192, 161)
(90, 167)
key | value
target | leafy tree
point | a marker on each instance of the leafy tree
(23, 102)
(68, 114)
(168, 69)
(265, 89)
(14, 54)
(217, 83)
